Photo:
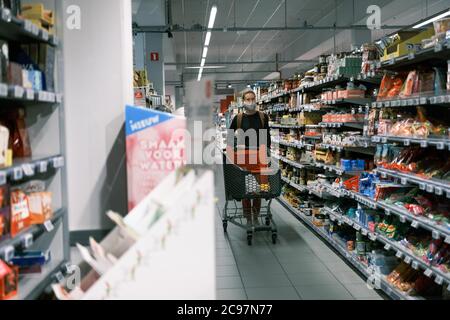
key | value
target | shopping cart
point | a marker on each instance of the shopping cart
(240, 185)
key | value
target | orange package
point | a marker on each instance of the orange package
(20, 214)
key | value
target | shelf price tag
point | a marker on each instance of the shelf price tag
(424, 143)
(18, 92)
(430, 188)
(34, 29)
(399, 254)
(59, 277)
(3, 90)
(415, 265)
(422, 186)
(44, 35)
(8, 253)
(406, 142)
(447, 239)
(423, 100)
(27, 241)
(364, 232)
(372, 236)
(43, 166)
(415, 224)
(403, 181)
(436, 235)
(402, 219)
(28, 25)
(439, 280)
(51, 97)
(2, 178)
(29, 94)
(387, 104)
(41, 95)
(387, 246)
(387, 212)
(411, 56)
(17, 173)
(428, 272)
(438, 47)
(438, 191)
(356, 227)
(408, 260)
(28, 169)
(48, 225)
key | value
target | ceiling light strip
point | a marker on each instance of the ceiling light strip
(212, 20)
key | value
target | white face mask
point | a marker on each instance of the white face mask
(249, 106)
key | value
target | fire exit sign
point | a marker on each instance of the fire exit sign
(154, 56)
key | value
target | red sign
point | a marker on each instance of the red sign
(154, 56)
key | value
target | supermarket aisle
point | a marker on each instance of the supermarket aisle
(299, 266)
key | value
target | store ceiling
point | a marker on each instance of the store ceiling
(264, 45)
(247, 45)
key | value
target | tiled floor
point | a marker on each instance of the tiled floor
(299, 267)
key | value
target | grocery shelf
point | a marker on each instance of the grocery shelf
(361, 149)
(336, 169)
(440, 144)
(355, 101)
(356, 125)
(385, 286)
(285, 126)
(402, 252)
(282, 142)
(439, 52)
(279, 108)
(306, 108)
(372, 78)
(294, 185)
(443, 99)
(267, 99)
(31, 286)
(292, 163)
(30, 167)
(15, 29)
(31, 233)
(430, 185)
(318, 86)
(18, 93)
(417, 221)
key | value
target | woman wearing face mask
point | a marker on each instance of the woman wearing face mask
(259, 122)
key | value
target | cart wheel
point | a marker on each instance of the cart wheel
(274, 238)
(267, 221)
(225, 226)
(249, 237)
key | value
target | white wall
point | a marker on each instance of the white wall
(98, 66)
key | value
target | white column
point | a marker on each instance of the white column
(98, 67)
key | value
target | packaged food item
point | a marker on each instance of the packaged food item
(4, 61)
(9, 280)
(4, 143)
(20, 213)
(441, 26)
(39, 201)
(4, 212)
(15, 75)
(19, 141)
(410, 83)
(439, 81)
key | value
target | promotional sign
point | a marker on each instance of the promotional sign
(155, 147)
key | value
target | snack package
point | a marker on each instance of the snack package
(408, 86)
(4, 212)
(4, 60)
(4, 142)
(39, 201)
(9, 280)
(19, 140)
(20, 214)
